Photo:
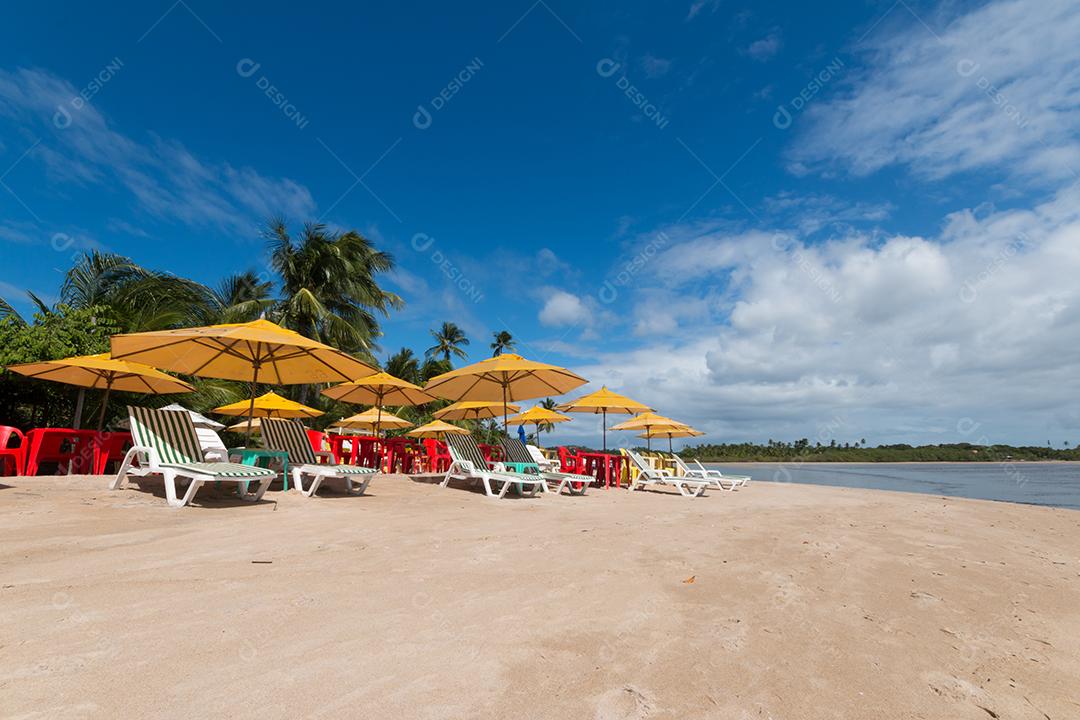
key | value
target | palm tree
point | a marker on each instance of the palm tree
(547, 404)
(434, 366)
(242, 297)
(404, 364)
(328, 285)
(504, 342)
(449, 340)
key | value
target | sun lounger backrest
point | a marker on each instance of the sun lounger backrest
(290, 436)
(682, 465)
(465, 447)
(516, 452)
(640, 462)
(170, 434)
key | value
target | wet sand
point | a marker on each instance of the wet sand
(778, 601)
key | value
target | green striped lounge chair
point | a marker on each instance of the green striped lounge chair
(164, 443)
(648, 475)
(469, 463)
(291, 436)
(518, 454)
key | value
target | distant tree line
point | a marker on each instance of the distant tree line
(805, 451)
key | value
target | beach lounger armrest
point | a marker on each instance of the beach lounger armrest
(216, 455)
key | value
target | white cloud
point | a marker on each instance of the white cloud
(168, 181)
(896, 338)
(655, 67)
(998, 87)
(765, 48)
(698, 5)
(562, 309)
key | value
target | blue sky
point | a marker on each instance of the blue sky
(769, 219)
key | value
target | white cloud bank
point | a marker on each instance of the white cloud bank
(822, 330)
(996, 88)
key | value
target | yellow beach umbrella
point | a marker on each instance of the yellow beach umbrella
(242, 351)
(106, 373)
(368, 419)
(437, 428)
(602, 402)
(269, 405)
(671, 432)
(504, 378)
(256, 426)
(538, 416)
(647, 421)
(379, 390)
(474, 410)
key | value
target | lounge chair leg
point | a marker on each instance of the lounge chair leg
(359, 491)
(257, 496)
(118, 481)
(505, 487)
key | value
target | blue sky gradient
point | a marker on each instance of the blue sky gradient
(739, 238)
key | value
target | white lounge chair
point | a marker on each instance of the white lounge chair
(719, 479)
(541, 460)
(164, 443)
(290, 436)
(468, 463)
(523, 457)
(648, 475)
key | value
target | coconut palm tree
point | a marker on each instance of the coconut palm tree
(449, 339)
(404, 364)
(504, 342)
(328, 284)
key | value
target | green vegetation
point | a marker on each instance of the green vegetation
(804, 451)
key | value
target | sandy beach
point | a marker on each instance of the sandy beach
(778, 601)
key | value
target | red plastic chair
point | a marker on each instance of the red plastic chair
(317, 439)
(72, 450)
(437, 456)
(16, 455)
(569, 462)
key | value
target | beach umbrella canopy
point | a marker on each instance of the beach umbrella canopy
(671, 432)
(380, 389)
(367, 420)
(256, 426)
(269, 405)
(437, 428)
(602, 402)
(105, 373)
(474, 410)
(504, 378)
(538, 416)
(647, 421)
(241, 351)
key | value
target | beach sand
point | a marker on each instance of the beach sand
(778, 601)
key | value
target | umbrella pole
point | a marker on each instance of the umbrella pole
(251, 405)
(605, 429)
(670, 451)
(104, 404)
(505, 431)
(78, 408)
(538, 443)
(378, 422)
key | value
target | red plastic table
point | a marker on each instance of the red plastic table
(604, 466)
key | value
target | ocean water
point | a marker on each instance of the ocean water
(1054, 484)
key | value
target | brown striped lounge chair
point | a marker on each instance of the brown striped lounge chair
(290, 436)
(164, 443)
